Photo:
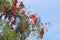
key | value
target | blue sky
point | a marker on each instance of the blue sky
(48, 10)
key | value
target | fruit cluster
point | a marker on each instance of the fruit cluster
(17, 21)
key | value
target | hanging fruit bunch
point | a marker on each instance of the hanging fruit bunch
(18, 25)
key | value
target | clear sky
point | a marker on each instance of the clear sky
(48, 10)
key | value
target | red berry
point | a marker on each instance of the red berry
(23, 12)
(33, 16)
(14, 4)
(13, 22)
(42, 32)
(35, 19)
